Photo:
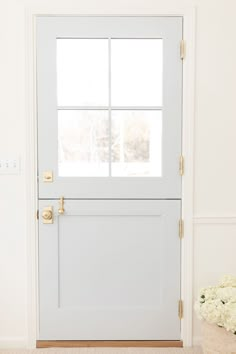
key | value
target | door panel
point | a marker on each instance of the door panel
(109, 106)
(110, 270)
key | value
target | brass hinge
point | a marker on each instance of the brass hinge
(37, 214)
(181, 165)
(182, 50)
(181, 228)
(180, 309)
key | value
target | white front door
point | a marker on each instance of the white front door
(109, 93)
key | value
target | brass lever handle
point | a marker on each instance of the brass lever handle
(61, 209)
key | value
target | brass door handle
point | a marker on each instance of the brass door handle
(61, 209)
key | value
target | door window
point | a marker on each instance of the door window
(109, 95)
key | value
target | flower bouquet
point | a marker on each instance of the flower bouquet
(217, 306)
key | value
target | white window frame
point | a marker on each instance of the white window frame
(188, 14)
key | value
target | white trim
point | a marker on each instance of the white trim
(214, 219)
(188, 178)
(13, 342)
(31, 178)
(188, 152)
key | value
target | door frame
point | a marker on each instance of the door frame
(189, 15)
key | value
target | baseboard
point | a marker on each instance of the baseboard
(196, 341)
(13, 342)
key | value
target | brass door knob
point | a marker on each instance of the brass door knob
(47, 215)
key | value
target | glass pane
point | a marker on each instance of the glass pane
(136, 143)
(136, 72)
(82, 72)
(83, 143)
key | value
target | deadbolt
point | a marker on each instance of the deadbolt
(47, 176)
(47, 215)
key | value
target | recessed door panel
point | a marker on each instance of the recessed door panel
(110, 270)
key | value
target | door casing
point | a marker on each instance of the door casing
(188, 14)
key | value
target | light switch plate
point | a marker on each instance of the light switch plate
(10, 166)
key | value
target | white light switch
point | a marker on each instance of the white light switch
(10, 166)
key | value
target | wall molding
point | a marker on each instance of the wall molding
(214, 219)
(31, 178)
(13, 342)
(189, 33)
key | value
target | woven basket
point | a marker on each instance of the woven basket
(216, 340)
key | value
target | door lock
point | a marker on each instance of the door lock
(47, 176)
(47, 215)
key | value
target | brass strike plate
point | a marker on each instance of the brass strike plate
(47, 176)
(47, 215)
(180, 309)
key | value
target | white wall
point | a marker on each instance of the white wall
(215, 146)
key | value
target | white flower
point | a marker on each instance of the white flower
(228, 280)
(226, 294)
(218, 304)
(230, 317)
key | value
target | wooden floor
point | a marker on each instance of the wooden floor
(87, 350)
